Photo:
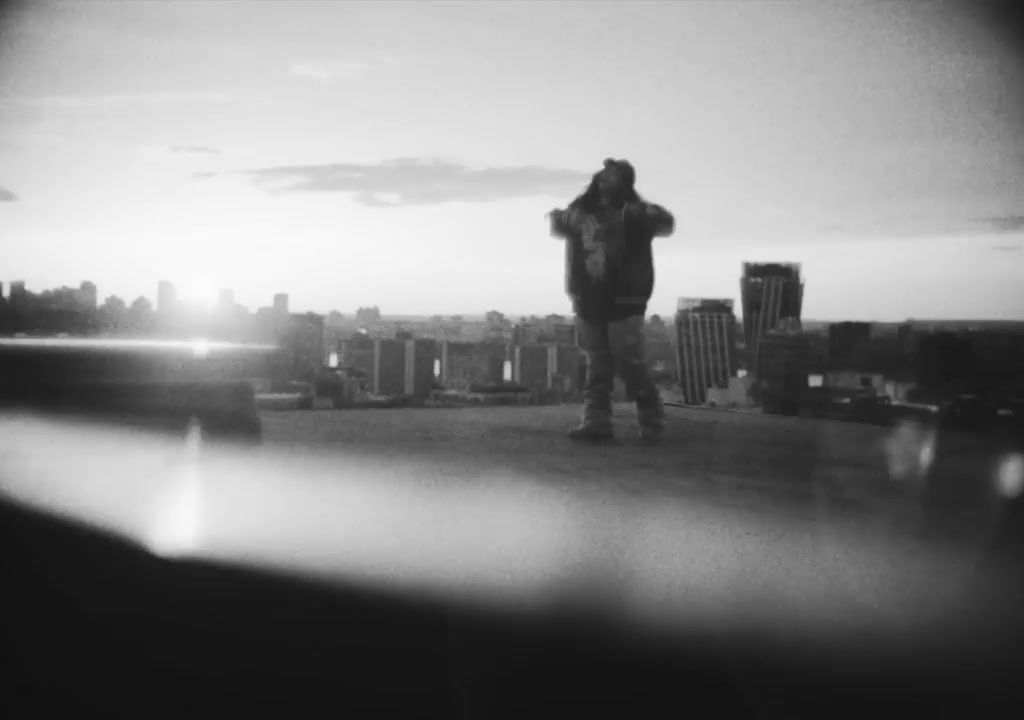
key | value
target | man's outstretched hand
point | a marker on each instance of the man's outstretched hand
(560, 221)
(657, 218)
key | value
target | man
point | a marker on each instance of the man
(610, 276)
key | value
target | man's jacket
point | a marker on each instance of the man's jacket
(609, 265)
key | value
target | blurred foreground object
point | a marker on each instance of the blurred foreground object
(159, 384)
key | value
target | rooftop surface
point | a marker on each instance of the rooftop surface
(805, 535)
(783, 514)
(771, 511)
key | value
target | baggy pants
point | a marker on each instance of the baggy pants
(617, 347)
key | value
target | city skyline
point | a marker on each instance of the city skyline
(238, 146)
(211, 300)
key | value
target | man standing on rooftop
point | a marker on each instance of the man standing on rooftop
(610, 277)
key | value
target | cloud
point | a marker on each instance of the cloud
(1007, 248)
(327, 72)
(194, 150)
(7, 196)
(92, 101)
(417, 181)
(177, 154)
(1003, 223)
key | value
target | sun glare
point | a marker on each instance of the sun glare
(200, 292)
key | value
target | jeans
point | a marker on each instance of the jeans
(617, 346)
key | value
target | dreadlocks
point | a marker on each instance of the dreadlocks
(589, 200)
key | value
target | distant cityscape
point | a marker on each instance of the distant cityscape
(704, 356)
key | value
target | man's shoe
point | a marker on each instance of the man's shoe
(590, 434)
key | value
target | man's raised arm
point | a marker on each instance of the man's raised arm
(659, 220)
(561, 222)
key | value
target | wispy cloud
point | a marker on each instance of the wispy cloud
(1007, 248)
(194, 150)
(328, 72)
(177, 154)
(417, 181)
(91, 101)
(7, 196)
(1002, 223)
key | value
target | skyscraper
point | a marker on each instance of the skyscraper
(87, 295)
(706, 332)
(782, 368)
(166, 297)
(770, 292)
(18, 292)
(843, 337)
(565, 333)
(302, 341)
(281, 303)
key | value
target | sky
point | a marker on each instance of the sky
(404, 154)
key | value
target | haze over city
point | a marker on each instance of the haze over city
(403, 155)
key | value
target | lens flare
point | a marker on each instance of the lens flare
(1010, 476)
(926, 455)
(200, 293)
(910, 451)
(176, 529)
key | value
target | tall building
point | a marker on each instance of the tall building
(843, 337)
(526, 333)
(907, 336)
(565, 333)
(769, 293)
(302, 340)
(782, 368)
(359, 357)
(706, 358)
(166, 297)
(530, 367)
(18, 292)
(87, 295)
(281, 303)
(465, 365)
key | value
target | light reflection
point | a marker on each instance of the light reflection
(1010, 476)
(201, 293)
(927, 455)
(176, 527)
(445, 529)
(910, 451)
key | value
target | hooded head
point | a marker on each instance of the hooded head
(615, 182)
(616, 178)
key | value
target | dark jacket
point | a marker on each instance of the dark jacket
(609, 264)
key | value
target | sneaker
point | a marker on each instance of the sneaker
(586, 432)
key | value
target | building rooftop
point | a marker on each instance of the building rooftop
(753, 270)
(686, 304)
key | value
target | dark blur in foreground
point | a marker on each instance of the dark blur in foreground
(427, 562)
